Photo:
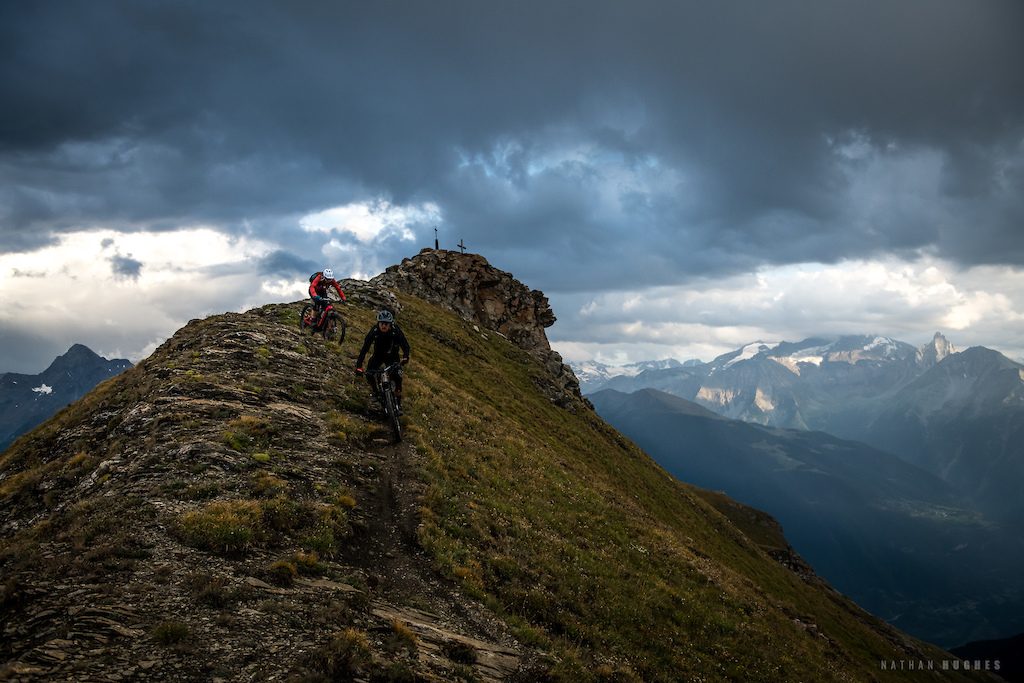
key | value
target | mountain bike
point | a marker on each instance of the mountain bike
(386, 395)
(333, 328)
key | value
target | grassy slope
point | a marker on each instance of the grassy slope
(571, 531)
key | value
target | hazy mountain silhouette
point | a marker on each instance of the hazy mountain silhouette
(959, 415)
(964, 421)
(28, 400)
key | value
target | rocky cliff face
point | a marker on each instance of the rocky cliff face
(468, 285)
(934, 351)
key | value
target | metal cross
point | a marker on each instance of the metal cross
(462, 246)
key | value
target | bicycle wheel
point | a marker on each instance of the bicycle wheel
(307, 311)
(334, 329)
(391, 410)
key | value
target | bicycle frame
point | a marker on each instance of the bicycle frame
(311, 316)
(386, 394)
(383, 374)
(323, 312)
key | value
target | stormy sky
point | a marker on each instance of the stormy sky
(680, 178)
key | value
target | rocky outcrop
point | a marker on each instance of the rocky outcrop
(934, 351)
(362, 293)
(468, 285)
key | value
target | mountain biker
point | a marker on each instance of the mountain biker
(318, 286)
(387, 340)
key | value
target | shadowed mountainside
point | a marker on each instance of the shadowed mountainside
(28, 400)
(964, 421)
(227, 509)
(958, 415)
(893, 536)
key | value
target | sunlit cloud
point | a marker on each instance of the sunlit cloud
(906, 300)
(369, 221)
(114, 291)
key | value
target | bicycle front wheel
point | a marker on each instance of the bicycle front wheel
(391, 410)
(334, 328)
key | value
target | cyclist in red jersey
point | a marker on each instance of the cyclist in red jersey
(318, 287)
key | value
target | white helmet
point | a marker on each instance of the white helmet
(328, 273)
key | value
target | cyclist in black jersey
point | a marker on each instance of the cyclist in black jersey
(387, 341)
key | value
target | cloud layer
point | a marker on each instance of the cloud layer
(588, 148)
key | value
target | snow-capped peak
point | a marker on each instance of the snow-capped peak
(591, 374)
(887, 346)
(750, 351)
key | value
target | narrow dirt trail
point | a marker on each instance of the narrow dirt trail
(406, 586)
(386, 548)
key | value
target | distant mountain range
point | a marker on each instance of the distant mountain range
(894, 537)
(29, 400)
(958, 415)
(594, 375)
(786, 384)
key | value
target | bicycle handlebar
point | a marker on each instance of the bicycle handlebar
(385, 368)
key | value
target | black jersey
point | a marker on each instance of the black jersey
(385, 344)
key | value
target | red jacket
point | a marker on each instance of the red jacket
(319, 285)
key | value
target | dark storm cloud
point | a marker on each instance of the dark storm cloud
(286, 264)
(29, 352)
(125, 267)
(582, 144)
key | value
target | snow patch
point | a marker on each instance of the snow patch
(751, 350)
(43, 389)
(811, 353)
(593, 373)
(888, 346)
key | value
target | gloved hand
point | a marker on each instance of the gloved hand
(405, 360)
(359, 371)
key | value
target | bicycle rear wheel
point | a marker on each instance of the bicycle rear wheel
(307, 311)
